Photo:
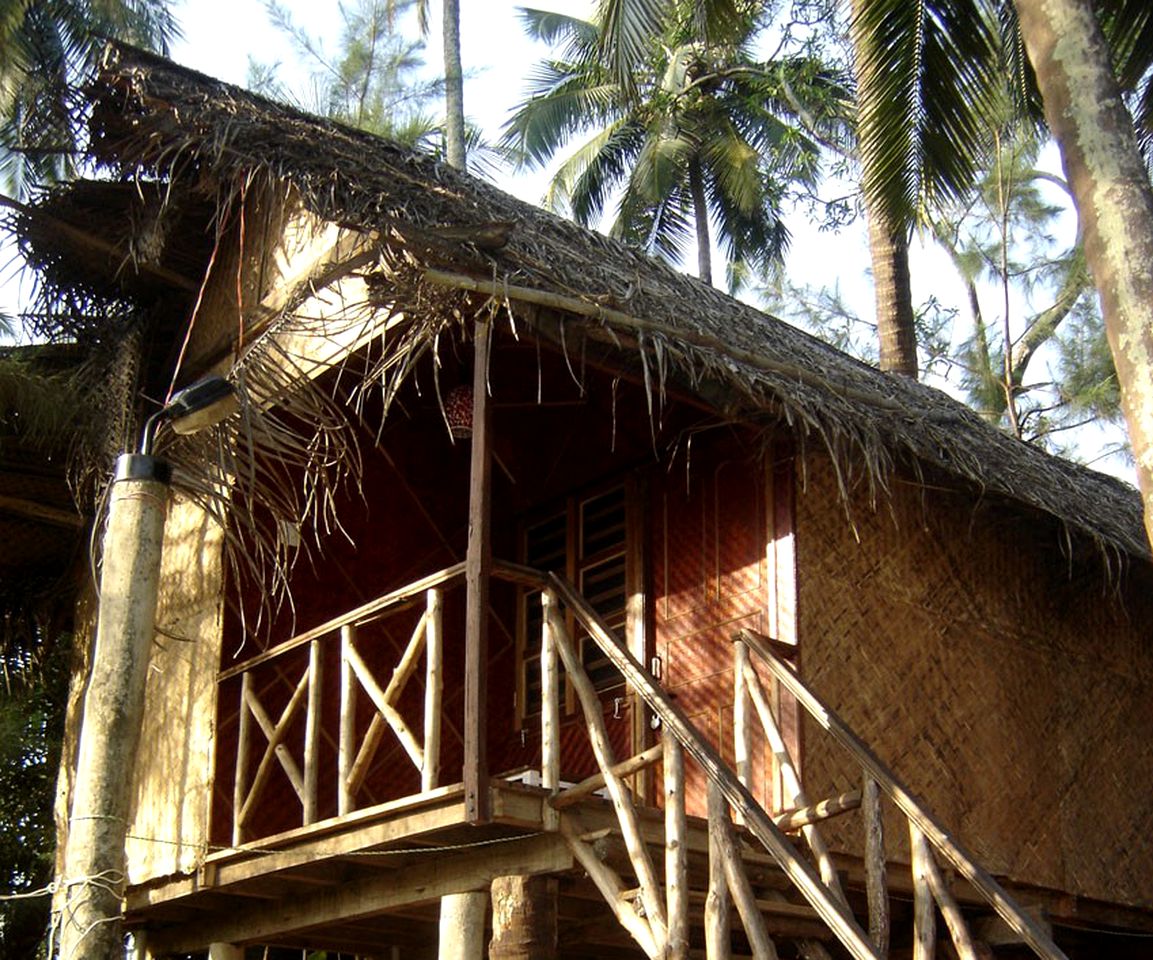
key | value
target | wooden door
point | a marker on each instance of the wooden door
(718, 567)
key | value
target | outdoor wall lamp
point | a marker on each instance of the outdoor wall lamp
(91, 889)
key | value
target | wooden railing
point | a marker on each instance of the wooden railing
(657, 917)
(926, 835)
(655, 908)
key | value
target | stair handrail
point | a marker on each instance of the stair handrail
(940, 838)
(836, 915)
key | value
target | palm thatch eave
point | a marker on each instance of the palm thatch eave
(159, 122)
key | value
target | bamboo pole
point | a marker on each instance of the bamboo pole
(941, 839)
(834, 913)
(740, 888)
(876, 882)
(549, 709)
(276, 748)
(345, 748)
(924, 915)
(950, 909)
(742, 730)
(609, 885)
(792, 782)
(590, 785)
(825, 809)
(618, 791)
(243, 748)
(312, 723)
(386, 709)
(718, 904)
(365, 754)
(433, 688)
(676, 851)
(404, 670)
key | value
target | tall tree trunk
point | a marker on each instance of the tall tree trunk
(1114, 198)
(893, 290)
(888, 234)
(701, 217)
(453, 86)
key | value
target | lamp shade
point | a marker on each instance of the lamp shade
(458, 411)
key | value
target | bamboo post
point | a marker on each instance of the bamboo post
(618, 791)
(609, 885)
(346, 749)
(950, 909)
(462, 920)
(676, 853)
(833, 912)
(549, 708)
(718, 905)
(740, 888)
(1031, 932)
(243, 746)
(876, 883)
(742, 733)
(312, 723)
(924, 916)
(792, 782)
(433, 688)
(478, 567)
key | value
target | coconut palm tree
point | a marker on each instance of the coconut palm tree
(46, 48)
(699, 136)
(1068, 44)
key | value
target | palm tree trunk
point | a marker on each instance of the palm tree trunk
(1114, 198)
(888, 238)
(701, 216)
(453, 86)
(892, 287)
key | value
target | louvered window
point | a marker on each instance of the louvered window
(585, 539)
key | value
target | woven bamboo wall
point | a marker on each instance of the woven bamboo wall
(1004, 683)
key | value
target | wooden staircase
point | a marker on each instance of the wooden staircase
(659, 902)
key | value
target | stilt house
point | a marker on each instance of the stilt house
(549, 602)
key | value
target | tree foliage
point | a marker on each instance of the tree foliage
(47, 47)
(700, 137)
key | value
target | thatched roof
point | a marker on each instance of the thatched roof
(155, 120)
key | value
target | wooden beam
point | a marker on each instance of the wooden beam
(478, 569)
(524, 918)
(840, 920)
(441, 874)
(938, 836)
(30, 510)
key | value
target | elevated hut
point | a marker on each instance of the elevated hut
(536, 568)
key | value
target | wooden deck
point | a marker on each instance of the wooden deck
(372, 879)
